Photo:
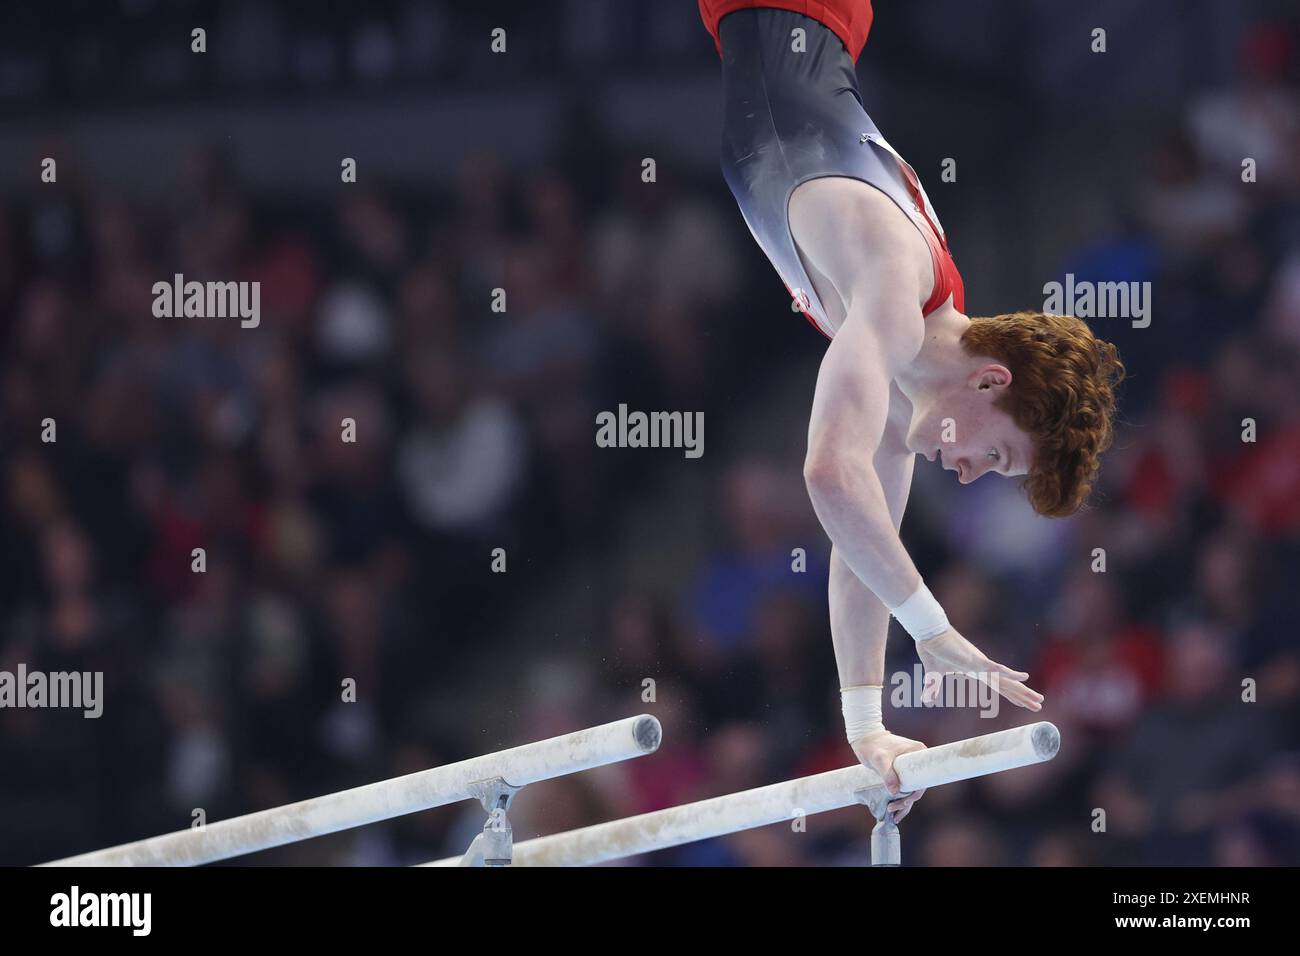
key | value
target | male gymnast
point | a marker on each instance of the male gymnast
(848, 227)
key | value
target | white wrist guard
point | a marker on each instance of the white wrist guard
(861, 708)
(921, 615)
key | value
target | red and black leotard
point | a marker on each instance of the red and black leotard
(794, 116)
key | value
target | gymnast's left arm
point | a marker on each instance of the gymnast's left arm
(859, 629)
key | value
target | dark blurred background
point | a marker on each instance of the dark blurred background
(522, 171)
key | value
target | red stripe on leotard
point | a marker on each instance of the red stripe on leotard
(947, 280)
(850, 20)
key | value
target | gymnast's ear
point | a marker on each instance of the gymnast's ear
(991, 377)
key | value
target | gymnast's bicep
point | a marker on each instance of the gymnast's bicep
(855, 383)
(851, 400)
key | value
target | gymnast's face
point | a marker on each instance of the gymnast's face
(962, 428)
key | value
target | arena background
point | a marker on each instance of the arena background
(522, 170)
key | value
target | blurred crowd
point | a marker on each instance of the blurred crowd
(1173, 673)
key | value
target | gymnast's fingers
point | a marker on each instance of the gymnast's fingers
(1018, 694)
(1002, 670)
(903, 805)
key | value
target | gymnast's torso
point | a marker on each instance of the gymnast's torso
(793, 115)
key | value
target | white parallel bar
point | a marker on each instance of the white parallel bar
(519, 766)
(947, 763)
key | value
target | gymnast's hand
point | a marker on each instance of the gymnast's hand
(950, 653)
(877, 751)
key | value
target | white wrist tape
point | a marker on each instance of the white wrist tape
(861, 708)
(921, 615)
